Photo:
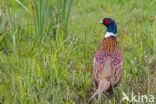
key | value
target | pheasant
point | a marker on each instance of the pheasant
(108, 61)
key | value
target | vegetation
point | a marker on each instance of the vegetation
(47, 48)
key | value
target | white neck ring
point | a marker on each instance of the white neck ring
(109, 34)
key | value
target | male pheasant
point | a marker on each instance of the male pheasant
(108, 61)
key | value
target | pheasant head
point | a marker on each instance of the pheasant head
(111, 27)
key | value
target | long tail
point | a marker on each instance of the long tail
(103, 86)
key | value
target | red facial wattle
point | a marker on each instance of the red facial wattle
(106, 23)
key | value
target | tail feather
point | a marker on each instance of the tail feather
(103, 86)
(99, 97)
(93, 96)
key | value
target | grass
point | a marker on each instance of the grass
(42, 62)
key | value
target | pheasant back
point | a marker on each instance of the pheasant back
(107, 66)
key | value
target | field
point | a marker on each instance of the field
(47, 49)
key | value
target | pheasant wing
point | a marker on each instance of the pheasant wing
(117, 63)
(101, 67)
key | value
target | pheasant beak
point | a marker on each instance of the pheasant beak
(101, 22)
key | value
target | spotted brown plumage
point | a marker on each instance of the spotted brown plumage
(108, 61)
